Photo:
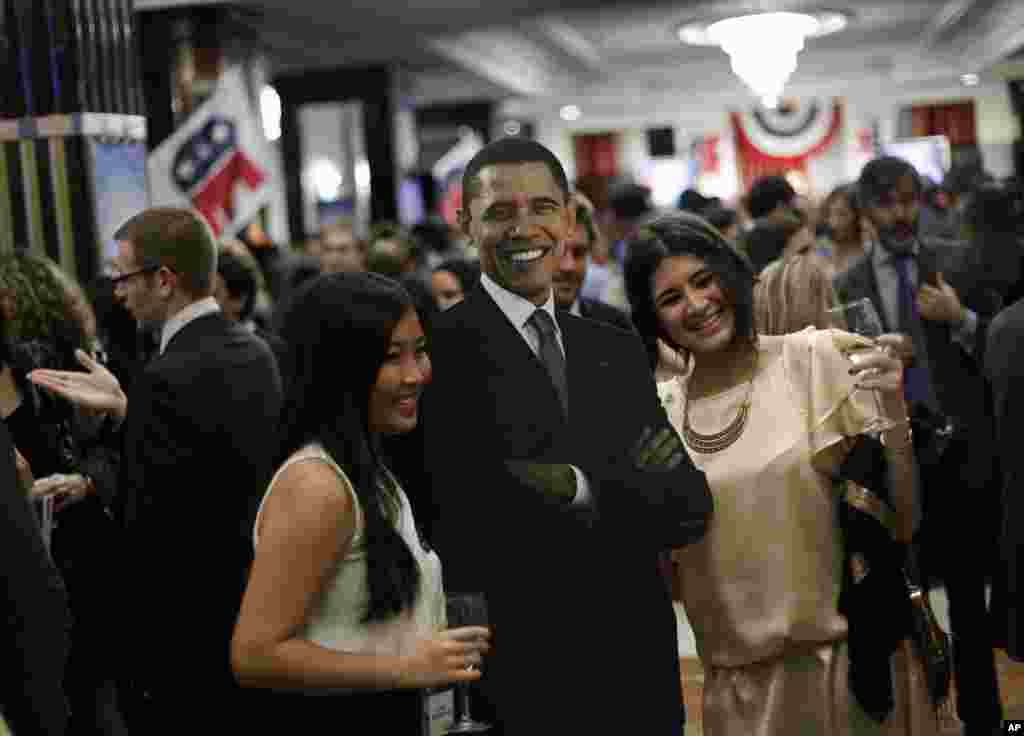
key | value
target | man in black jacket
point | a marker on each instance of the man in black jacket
(572, 271)
(199, 441)
(1004, 364)
(540, 503)
(33, 608)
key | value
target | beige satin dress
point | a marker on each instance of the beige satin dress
(761, 588)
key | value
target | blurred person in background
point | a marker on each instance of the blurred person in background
(630, 205)
(603, 281)
(340, 249)
(693, 201)
(773, 200)
(73, 471)
(792, 294)
(841, 216)
(452, 280)
(301, 269)
(234, 288)
(942, 206)
(37, 308)
(437, 240)
(769, 241)
(725, 220)
(572, 268)
(34, 611)
(79, 306)
(392, 252)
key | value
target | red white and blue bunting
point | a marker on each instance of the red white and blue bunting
(778, 141)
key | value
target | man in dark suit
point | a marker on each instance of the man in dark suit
(539, 501)
(199, 440)
(34, 609)
(924, 288)
(1004, 364)
(572, 271)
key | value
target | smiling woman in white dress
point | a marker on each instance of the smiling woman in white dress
(344, 598)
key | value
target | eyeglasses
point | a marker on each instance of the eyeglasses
(117, 278)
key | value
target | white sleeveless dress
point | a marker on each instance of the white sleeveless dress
(336, 620)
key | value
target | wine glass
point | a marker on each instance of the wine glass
(466, 609)
(860, 317)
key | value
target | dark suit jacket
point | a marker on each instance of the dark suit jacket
(1004, 364)
(956, 374)
(34, 610)
(277, 346)
(584, 631)
(594, 309)
(199, 443)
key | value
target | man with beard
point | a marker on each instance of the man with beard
(572, 271)
(921, 287)
(556, 477)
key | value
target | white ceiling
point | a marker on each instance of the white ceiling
(542, 54)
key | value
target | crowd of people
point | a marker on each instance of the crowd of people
(239, 478)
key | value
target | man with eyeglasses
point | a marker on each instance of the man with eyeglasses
(198, 442)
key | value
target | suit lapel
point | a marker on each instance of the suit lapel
(864, 283)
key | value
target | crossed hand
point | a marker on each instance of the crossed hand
(655, 451)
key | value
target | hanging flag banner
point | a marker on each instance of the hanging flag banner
(782, 140)
(216, 161)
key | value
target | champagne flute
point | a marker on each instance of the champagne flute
(861, 318)
(466, 609)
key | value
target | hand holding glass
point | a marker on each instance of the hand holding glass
(861, 318)
(466, 609)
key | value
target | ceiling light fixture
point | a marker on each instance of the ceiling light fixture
(763, 47)
(970, 80)
(570, 113)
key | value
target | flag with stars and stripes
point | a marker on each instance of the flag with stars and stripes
(215, 162)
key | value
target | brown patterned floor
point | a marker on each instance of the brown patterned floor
(1011, 684)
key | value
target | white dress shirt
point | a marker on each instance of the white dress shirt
(193, 311)
(518, 311)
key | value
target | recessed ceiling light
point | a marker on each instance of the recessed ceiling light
(512, 127)
(570, 113)
(970, 80)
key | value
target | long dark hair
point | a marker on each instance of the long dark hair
(685, 234)
(338, 330)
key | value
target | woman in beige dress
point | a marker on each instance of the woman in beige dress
(769, 419)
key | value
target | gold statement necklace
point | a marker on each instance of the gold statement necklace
(707, 444)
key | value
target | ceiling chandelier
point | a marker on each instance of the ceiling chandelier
(763, 47)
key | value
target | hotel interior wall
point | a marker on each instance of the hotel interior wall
(997, 128)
